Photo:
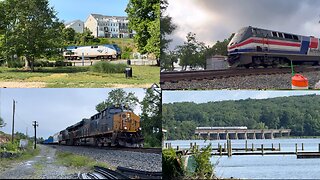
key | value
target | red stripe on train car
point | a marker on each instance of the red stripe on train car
(266, 41)
(314, 42)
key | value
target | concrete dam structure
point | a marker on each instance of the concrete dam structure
(217, 133)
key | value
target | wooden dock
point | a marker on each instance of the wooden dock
(307, 155)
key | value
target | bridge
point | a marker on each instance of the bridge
(213, 133)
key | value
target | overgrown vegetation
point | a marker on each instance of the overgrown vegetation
(174, 165)
(298, 113)
(106, 67)
(74, 160)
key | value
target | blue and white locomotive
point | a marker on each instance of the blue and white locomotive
(253, 47)
(106, 51)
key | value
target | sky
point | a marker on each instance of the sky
(214, 20)
(54, 109)
(223, 95)
(70, 10)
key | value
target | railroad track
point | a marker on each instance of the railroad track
(174, 77)
(120, 173)
(142, 150)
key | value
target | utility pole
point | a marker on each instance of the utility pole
(35, 125)
(14, 109)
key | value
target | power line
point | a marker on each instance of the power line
(35, 125)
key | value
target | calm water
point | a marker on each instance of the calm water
(263, 167)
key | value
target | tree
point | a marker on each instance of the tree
(191, 52)
(166, 28)
(69, 35)
(144, 19)
(2, 124)
(32, 29)
(117, 97)
(151, 118)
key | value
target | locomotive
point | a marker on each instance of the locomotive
(116, 125)
(107, 51)
(254, 47)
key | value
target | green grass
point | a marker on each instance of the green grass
(25, 155)
(78, 161)
(74, 77)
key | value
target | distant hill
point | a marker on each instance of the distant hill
(299, 113)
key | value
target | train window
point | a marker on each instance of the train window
(274, 34)
(295, 37)
(287, 36)
(280, 35)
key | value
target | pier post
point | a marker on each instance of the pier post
(262, 150)
(272, 147)
(302, 148)
(191, 145)
(229, 148)
(177, 148)
(296, 148)
(225, 148)
(246, 145)
(218, 145)
(252, 147)
(319, 147)
(166, 145)
(220, 150)
(279, 147)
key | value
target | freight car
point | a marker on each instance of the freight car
(114, 126)
(254, 47)
(107, 51)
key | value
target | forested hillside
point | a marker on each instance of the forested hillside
(299, 113)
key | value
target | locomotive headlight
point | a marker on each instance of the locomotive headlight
(128, 115)
(125, 128)
(140, 128)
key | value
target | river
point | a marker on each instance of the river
(263, 167)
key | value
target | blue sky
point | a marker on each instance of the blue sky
(222, 95)
(70, 10)
(54, 109)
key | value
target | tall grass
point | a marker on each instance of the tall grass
(105, 67)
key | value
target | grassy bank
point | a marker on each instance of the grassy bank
(73, 77)
(72, 160)
(22, 156)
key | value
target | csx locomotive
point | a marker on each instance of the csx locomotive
(114, 126)
(253, 47)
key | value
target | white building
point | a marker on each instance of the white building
(108, 26)
(77, 25)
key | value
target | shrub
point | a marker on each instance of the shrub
(15, 64)
(105, 67)
(204, 168)
(171, 165)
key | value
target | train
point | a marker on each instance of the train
(106, 51)
(222, 128)
(116, 125)
(255, 47)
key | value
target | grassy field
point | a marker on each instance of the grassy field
(75, 77)
(78, 161)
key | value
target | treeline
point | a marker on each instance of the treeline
(301, 114)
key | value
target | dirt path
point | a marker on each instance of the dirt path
(22, 84)
(42, 166)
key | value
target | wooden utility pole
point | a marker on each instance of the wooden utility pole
(14, 109)
(35, 125)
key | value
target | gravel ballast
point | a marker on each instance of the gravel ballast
(274, 81)
(128, 159)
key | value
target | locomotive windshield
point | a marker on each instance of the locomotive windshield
(238, 36)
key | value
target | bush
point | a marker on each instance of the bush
(15, 64)
(171, 165)
(126, 55)
(204, 168)
(105, 67)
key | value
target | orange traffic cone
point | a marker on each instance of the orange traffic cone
(298, 81)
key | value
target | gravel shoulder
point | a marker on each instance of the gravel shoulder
(275, 81)
(134, 160)
(42, 166)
